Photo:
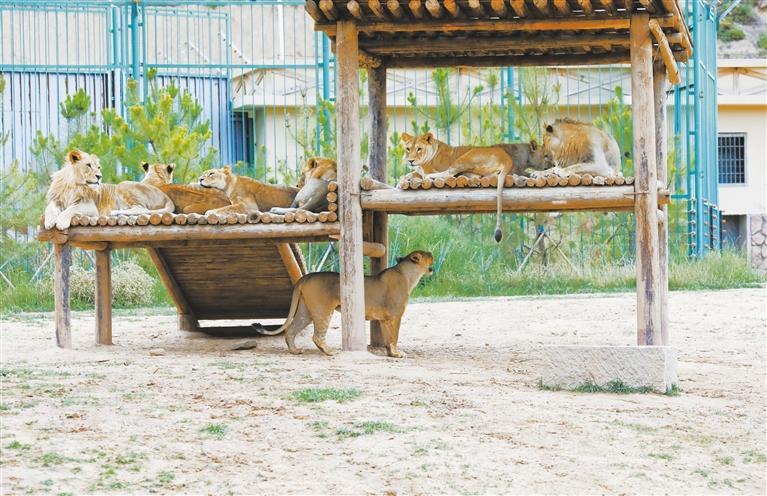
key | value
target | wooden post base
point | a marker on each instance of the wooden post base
(103, 297)
(188, 322)
(62, 262)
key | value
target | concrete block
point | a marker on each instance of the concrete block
(568, 367)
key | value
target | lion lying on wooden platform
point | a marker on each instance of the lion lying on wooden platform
(247, 195)
(76, 189)
(187, 198)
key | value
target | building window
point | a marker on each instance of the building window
(732, 158)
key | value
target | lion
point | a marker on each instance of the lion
(76, 189)
(317, 295)
(315, 177)
(187, 198)
(577, 147)
(247, 196)
(433, 159)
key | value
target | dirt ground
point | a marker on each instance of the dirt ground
(462, 413)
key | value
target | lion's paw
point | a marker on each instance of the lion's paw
(63, 223)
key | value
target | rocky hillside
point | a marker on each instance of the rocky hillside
(743, 33)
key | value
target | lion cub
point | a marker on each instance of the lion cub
(317, 295)
(248, 196)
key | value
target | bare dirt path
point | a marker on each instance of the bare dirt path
(461, 414)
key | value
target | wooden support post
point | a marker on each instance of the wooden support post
(659, 92)
(349, 172)
(377, 168)
(103, 297)
(291, 264)
(646, 203)
(187, 321)
(62, 261)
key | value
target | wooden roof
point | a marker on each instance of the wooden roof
(495, 33)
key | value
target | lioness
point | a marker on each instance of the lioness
(577, 147)
(317, 295)
(187, 198)
(76, 189)
(246, 195)
(315, 176)
(432, 158)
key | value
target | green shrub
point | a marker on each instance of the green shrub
(131, 285)
(762, 42)
(730, 32)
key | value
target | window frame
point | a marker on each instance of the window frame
(743, 135)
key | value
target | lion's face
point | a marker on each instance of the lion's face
(419, 150)
(85, 168)
(318, 168)
(216, 178)
(423, 259)
(538, 158)
(158, 173)
(552, 143)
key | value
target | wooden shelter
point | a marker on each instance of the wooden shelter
(651, 35)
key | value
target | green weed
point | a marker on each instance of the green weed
(615, 387)
(661, 456)
(216, 430)
(52, 458)
(16, 445)
(726, 460)
(754, 456)
(368, 428)
(314, 395)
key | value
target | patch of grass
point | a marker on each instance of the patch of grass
(227, 365)
(165, 478)
(726, 460)
(216, 430)
(661, 456)
(762, 41)
(4, 407)
(367, 428)
(754, 456)
(16, 445)
(314, 395)
(701, 472)
(615, 387)
(635, 427)
(320, 427)
(52, 458)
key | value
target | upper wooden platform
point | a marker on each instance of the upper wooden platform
(495, 33)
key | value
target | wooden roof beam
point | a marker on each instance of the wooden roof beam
(329, 9)
(519, 7)
(476, 8)
(447, 45)
(416, 8)
(394, 8)
(542, 6)
(452, 7)
(355, 10)
(563, 8)
(377, 9)
(499, 7)
(586, 6)
(609, 6)
(665, 51)
(434, 8)
(509, 60)
(494, 25)
(649, 6)
(313, 10)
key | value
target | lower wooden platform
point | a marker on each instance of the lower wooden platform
(211, 272)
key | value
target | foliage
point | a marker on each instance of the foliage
(728, 31)
(762, 42)
(314, 395)
(539, 101)
(616, 120)
(492, 124)
(166, 126)
(131, 285)
(445, 113)
(22, 198)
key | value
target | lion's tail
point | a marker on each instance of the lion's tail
(291, 313)
(499, 205)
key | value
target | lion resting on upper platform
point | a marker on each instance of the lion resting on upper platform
(188, 198)
(313, 196)
(317, 295)
(76, 189)
(432, 158)
(577, 147)
(247, 196)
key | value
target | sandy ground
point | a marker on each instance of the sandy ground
(461, 414)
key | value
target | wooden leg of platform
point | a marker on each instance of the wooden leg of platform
(645, 186)
(103, 297)
(62, 261)
(188, 322)
(349, 173)
(377, 168)
(659, 92)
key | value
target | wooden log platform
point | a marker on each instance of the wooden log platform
(483, 200)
